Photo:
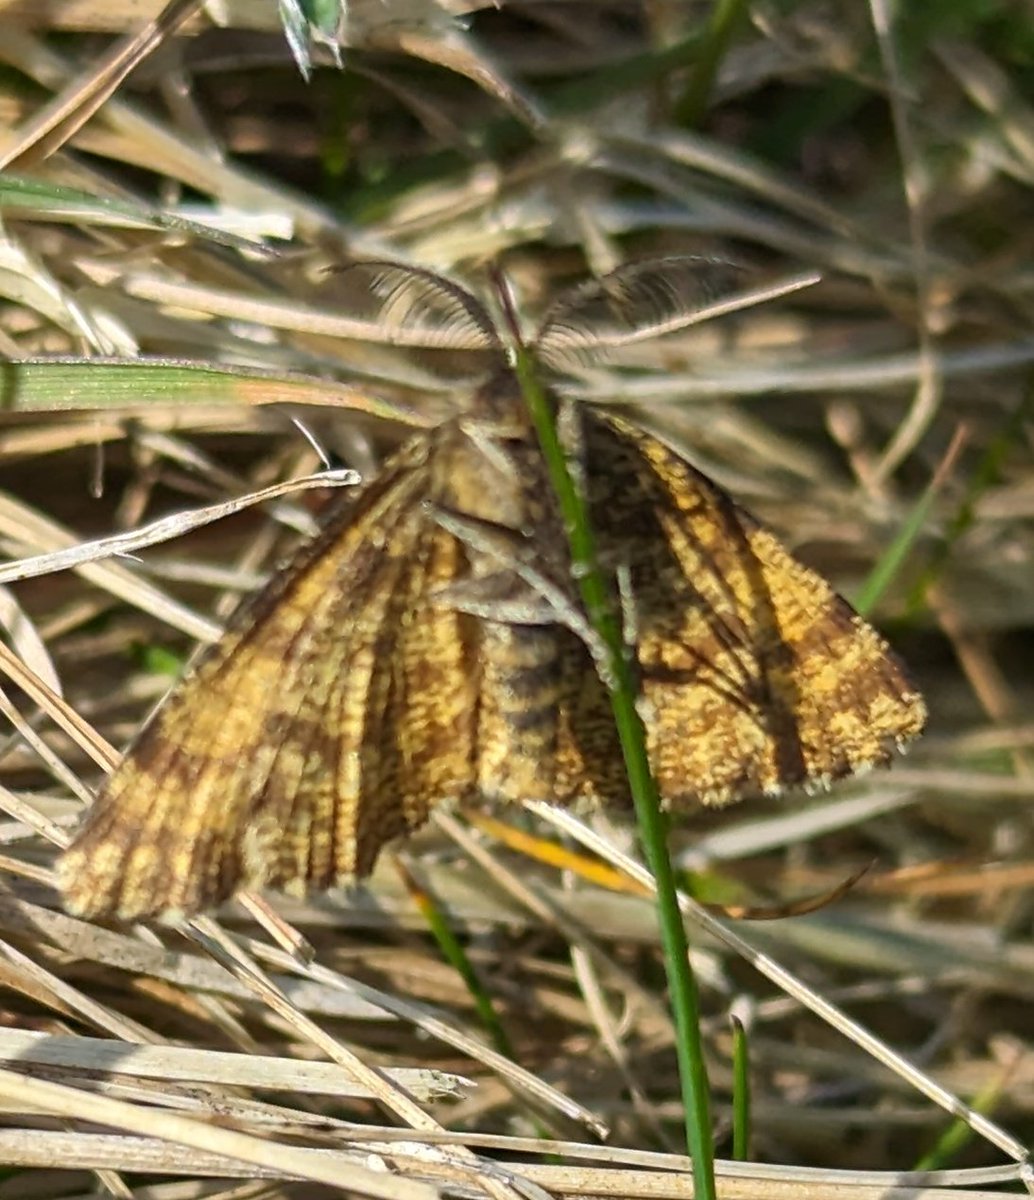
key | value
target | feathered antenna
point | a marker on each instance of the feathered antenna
(646, 300)
(411, 306)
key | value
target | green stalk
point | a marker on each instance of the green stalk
(596, 597)
(892, 559)
(454, 953)
(740, 1092)
(726, 17)
(987, 472)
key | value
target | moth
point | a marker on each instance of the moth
(426, 647)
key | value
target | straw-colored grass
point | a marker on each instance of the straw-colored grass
(184, 214)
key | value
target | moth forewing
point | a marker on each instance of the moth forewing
(758, 675)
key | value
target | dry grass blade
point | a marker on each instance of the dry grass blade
(30, 531)
(92, 1056)
(429, 1023)
(61, 713)
(164, 529)
(73, 1104)
(54, 124)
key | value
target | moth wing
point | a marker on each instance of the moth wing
(755, 675)
(253, 770)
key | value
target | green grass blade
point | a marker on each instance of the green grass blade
(986, 473)
(740, 1092)
(959, 1134)
(726, 18)
(454, 953)
(897, 552)
(596, 598)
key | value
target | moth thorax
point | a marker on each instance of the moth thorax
(498, 406)
(482, 479)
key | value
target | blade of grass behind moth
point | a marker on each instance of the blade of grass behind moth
(21, 632)
(793, 986)
(280, 930)
(27, 814)
(726, 17)
(455, 955)
(44, 200)
(32, 740)
(62, 714)
(952, 1141)
(156, 386)
(984, 474)
(740, 1091)
(894, 556)
(643, 788)
(551, 853)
